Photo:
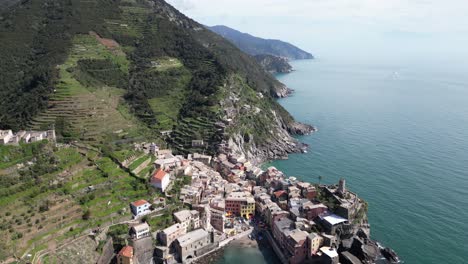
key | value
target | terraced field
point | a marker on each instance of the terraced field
(195, 129)
(89, 111)
(39, 214)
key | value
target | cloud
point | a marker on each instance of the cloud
(408, 15)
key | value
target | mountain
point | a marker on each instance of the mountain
(274, 64)
(112, 70)
(259, 46)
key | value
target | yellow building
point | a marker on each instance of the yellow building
(241, 204)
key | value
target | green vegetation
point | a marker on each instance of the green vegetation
(138, 162)
(51, 200)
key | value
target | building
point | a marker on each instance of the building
(189, 220)
(240, 203)
(331, 222)
(125, 255)
(8, 137)
(205, 215)
(140, 231)
(311, 211)
(218, 218)
(297, 246)
(281, 230)
(329, 255)
(166, 160)
(198, 143)
(193, 244)
(161, 180)
(140, 207)
(315, 241)
(168, 235)
(5, 136)
(153, 148)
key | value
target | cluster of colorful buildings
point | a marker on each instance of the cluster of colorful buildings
(226, 192)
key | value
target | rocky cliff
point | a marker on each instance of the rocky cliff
(274, 64)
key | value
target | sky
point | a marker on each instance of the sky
(350, 28)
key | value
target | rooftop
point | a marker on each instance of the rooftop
(141, 227)
(139, 203)
(330, 252)
(126, 251)
(191, 237)
(159, 175)
(172, 229)
(298, 235)
(334, 219)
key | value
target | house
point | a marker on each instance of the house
(168, 235)
(153, 148)
(188, 219)
(329, 255)
(297, 246)
(125, 255)
(161, 180)
(311, 211)
(140, 207)
(193, 244)
(331, 222)
(198, 143)
(281, 230)
(167, 162)
(140, 231)
(240, 203)
(5, 136)
(315, 241)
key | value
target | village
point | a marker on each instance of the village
(226, 197)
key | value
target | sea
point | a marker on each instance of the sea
(398, 133)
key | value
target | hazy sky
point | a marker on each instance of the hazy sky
(345, 27)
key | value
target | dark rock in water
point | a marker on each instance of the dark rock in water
(366, 250)
(301, 129)
(390, 255)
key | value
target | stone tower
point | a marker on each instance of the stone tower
(342, 186)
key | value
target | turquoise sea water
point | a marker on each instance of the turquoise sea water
(399, 135)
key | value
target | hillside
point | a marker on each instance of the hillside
(108, 70)
(259, 46)
(106, 74)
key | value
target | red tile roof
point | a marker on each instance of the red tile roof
(140, 202)
(158, 175)
(126, 251)
(279, 193)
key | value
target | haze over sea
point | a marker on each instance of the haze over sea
(398, 133)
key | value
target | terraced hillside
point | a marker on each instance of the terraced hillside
(63, 194)
(85, 106)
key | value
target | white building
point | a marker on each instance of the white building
(190, 220)
(140, 231)
(161, 180)
(140, 207)
(5, 136)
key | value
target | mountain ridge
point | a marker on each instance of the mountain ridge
(259, 46)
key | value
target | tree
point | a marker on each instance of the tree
(86, 215)
(320, 178)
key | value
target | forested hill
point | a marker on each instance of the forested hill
(259, 46)
(107, 66)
